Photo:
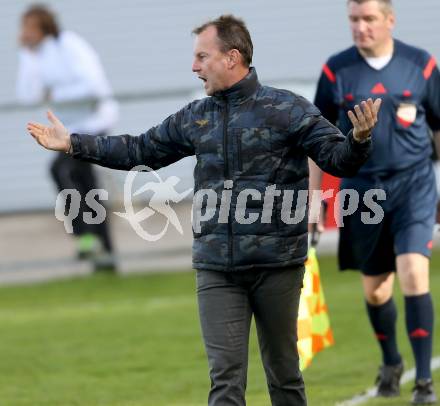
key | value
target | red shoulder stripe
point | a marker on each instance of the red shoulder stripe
(330, 75)
(429, 68)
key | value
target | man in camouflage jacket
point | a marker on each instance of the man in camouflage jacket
(251, 140)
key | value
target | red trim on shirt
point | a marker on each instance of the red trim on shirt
(429, 68)
(330, 75)
(379, 88)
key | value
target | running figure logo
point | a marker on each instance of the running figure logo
(157, 203)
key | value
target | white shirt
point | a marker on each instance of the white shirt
(70, 72)
(379, 62)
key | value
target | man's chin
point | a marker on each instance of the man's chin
(365, 46)
(210, 91)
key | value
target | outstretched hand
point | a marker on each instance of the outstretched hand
(55, 137)
(364, 119)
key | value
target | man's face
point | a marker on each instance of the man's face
(370, 25)
(210, 64)
(30, 34)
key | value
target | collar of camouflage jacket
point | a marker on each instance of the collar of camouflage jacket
(241, 91)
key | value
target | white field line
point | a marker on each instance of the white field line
(371, 392)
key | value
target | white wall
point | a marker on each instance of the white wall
(146, 46)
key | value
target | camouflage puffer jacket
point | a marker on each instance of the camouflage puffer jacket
(259, 138)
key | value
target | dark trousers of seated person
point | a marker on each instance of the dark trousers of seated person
(227, 301)
(70, 173)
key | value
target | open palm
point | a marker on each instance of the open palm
(364, 119)
(55, 137)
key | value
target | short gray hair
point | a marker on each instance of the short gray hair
(386, 5)
(232, 34)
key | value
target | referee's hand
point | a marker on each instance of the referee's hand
(364, 119)
(55, 137)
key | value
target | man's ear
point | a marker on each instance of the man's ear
(234, 58)
(391, 21)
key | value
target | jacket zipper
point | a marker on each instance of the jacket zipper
(239, 160)
(226, 174)
(225, 141)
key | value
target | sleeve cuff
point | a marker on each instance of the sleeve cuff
(75, 144)
(365, 144)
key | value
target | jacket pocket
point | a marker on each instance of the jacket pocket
(253, 153)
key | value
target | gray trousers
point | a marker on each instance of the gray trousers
(227, 301)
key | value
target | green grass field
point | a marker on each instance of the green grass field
(132, 341)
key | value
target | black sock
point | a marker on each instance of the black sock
(383, 320)
(419, 324)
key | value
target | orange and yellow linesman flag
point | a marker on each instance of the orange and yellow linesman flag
(314, 331)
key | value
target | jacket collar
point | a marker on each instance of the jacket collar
(240, 91)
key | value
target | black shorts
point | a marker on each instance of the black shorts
(407, 225)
